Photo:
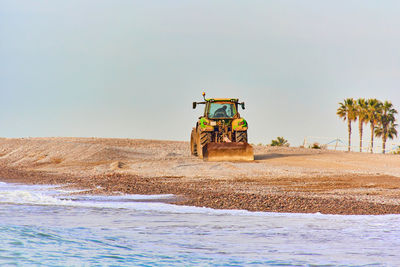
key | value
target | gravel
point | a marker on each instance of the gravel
(279, 180)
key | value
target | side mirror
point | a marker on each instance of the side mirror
(242, 104)
(194, 105)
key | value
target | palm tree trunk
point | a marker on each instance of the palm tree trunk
(383, 144)
(360, 129)
(384, 137)
(372, 137)
(349, 129)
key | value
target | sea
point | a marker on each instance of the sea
(50, 226)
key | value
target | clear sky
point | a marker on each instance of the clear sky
(120, 68)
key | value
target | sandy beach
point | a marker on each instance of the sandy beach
(280, 179)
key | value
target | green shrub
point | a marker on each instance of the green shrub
(316, 146)
(280, 141)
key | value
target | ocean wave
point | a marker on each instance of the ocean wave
(51, 195)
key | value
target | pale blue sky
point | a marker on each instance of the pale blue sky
(132, 68)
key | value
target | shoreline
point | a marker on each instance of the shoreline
(193, 195)
(288, 180)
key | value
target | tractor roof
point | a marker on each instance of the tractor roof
(222, 100)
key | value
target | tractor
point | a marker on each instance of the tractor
(220, 133)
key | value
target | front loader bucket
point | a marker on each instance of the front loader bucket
(228, 152)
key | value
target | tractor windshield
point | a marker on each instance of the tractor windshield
(221, 110)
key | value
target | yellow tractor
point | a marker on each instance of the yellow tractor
(221, 134)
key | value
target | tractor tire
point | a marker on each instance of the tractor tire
(203, 139)
(241, 136)
(193, 143)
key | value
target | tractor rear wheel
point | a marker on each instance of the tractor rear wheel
(241, 136)
(203, 139)
(193, 143)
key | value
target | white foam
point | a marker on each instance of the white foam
(50, 195)
(72, 191)
(126, 197)
(27, 197)
(119, 202)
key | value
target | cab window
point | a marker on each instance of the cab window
(221, 110)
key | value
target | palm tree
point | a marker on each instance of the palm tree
(386, 125)
(374, 109)
(347, 111)
(362, 115)
(391, 133)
